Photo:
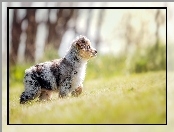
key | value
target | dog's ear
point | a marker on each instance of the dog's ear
(81, 43)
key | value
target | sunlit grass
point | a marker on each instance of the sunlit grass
(136, 98)
(113, 93)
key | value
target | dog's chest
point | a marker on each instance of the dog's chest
(78, 76)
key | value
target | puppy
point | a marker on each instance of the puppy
(65, 75)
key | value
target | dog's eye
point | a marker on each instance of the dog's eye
(88, 47)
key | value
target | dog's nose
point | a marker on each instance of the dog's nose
(95, 52)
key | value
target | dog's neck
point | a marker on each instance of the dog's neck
(73, 57)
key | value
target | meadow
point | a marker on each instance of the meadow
(109, 97)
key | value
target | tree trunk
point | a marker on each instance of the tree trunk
(57, 29)
(157, 15)
(51, 31)
(75, 17)
(88, 22)
(128, 32)
(31, 35)
(16, 33)
(99, 24)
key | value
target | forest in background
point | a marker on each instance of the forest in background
(25, 27)
(130, 41)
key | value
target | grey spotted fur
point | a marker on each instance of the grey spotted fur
(64, 75)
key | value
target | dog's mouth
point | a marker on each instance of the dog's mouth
(94, 53)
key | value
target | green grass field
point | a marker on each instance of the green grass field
(118, 99)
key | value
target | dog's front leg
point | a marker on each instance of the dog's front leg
(65, 88)
(77, 91)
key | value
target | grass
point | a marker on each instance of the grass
(113, 93)
(117, 99)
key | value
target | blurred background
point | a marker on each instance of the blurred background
(129, 40)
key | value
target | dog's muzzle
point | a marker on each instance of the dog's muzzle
(94, 52)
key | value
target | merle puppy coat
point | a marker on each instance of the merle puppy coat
(64, 75)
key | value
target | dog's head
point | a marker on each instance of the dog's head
(84, 48)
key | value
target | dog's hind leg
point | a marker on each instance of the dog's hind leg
(45, 95)
(32, 89)
(28, 95)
